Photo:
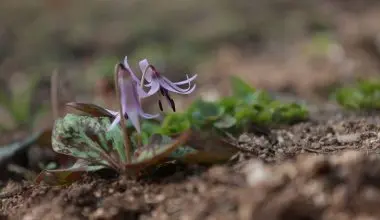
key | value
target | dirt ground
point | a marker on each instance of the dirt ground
(326, 168)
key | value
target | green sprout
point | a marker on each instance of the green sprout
(363, 95)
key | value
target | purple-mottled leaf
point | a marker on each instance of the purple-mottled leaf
(189, 155)
(157, 150)
(68, 175)
(205, 148)
(88, 138)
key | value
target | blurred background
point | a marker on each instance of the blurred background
(304, 48)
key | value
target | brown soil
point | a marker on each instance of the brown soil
(326, 168)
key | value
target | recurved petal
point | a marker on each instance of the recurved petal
(114, 113)
(154, 87)
(148, 116)
(131, 73)
(144, 67)
(188, 80)
(141, 93)
(167, 84)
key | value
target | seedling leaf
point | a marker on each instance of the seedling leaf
(240, 88)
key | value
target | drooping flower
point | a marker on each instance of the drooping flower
(140, 91)
(157, 82)
(130, 95)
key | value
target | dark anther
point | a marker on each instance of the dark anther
(172, 104)
(160, 105)
(162, 91)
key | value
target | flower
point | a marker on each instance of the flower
(157, 82)
(140, 91)
(130, 98)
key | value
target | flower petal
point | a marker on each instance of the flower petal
(154, 87)
(144, 67)
(115, 122)
(188, 80)
(141, 93)
(126, 65)
(148, 116)
(167, 84)
(114, 113)
(133, 116)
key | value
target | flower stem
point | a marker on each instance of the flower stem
(124, 131)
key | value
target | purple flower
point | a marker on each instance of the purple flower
(130, 98)
(157, 82)
(140, 91)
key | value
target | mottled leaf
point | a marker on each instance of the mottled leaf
(205, 148)
(68, 175)
(189, 155)
(88, 138)
(158, 149)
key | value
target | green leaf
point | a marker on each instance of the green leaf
(150, 128)
(67, 175)
(362, 95)
(88, 138)
(203, 113)
(227, 121)
(240, 88)
(175, 123)
(229, 104)
(289, 113)
(257, 98)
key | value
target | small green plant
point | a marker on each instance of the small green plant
(363, 95)
(236, 113)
